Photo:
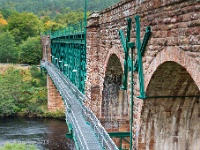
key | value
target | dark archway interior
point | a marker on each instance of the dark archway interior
(171, 123)
(114, 106)
(171, 79)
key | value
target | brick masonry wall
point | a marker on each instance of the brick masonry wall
(175, 37)
(55, 101)
(46, 50)
(170, 122)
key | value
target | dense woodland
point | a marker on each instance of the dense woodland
(23, 91)
(54, 7)
(22, 22)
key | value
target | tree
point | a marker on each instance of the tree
(26, 25)
(53, 26)
(3, 23)
(2, 20)
(20, 92)
(8, 52)
(31, 51)
(7, 12)
(11, 90)
(70, 18)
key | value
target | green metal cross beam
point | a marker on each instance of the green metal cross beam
(122, 136)
(140, 53)
(126, 45)
(128, 62)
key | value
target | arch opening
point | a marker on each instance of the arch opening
(114, 105)
(170, 122)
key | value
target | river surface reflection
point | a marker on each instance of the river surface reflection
(47, 134)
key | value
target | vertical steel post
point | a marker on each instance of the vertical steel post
(132, 102)
(85, 13)
(131, 45)
(85, 41)
(126, 46)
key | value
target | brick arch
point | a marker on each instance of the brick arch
(172, 79)
(113, 106)
(111, 52)
(176, 55)
(170, 122)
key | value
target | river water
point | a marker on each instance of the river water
(46, 134)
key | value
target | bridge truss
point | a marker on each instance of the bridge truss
(68, 72)
(68, 47)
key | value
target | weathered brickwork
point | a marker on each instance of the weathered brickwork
(55, 101)
(170, 122)
(46, 50)
(175, 38)
(114, 107)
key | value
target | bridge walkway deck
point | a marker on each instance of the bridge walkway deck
(88, 133)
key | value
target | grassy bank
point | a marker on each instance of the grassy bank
(18, 146)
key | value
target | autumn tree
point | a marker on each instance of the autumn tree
(3, 22)
(20, 92)
(53, 26)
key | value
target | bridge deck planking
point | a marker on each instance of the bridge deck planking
(88, 135)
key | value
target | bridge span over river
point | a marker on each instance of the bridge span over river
(130, 79)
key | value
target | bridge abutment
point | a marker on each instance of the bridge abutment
(55, 102)
(93, 87)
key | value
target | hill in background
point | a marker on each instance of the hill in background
(53, 7)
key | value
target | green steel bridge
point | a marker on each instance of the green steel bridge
(67, 70)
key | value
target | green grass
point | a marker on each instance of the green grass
(18, 146)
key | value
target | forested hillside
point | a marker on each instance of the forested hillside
(22, 22)
(23, 92)
(53, 7)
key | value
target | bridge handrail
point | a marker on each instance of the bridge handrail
(74, 29)
(89, 116)
(101, 133)
(77, 134)
(94, 122)
(72, 117)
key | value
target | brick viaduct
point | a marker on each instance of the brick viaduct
(171, 72)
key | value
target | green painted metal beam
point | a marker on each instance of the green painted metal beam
(139, 58)
(174, 96)
(128, 62)
(119, 134)
(64, 41)
(140, 52)
(126, 52)
(69, 135)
